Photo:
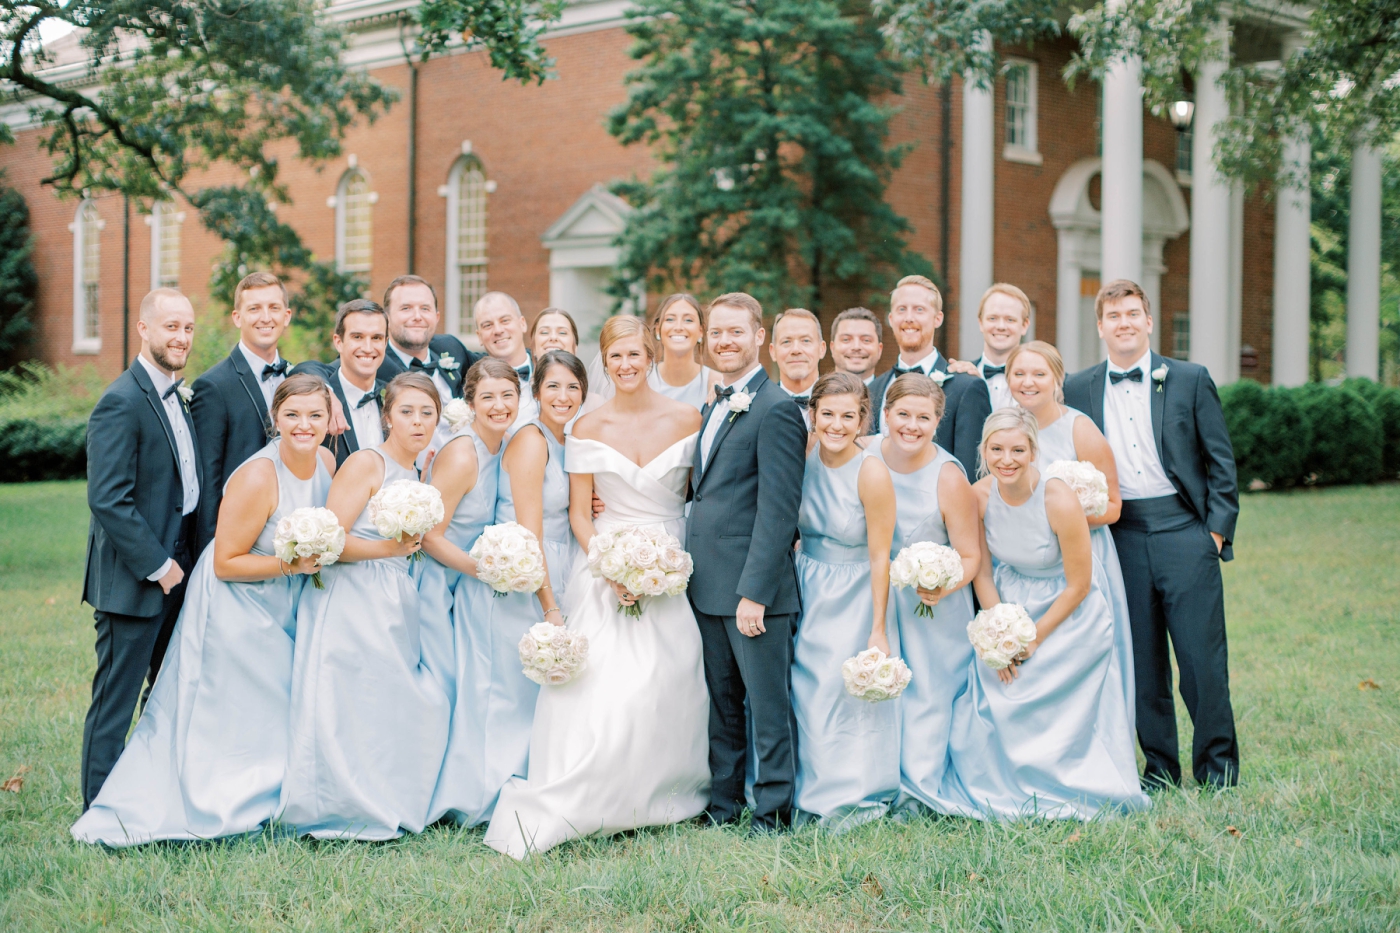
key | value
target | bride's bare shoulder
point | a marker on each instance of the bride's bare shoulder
(685, 417)
(593, 425)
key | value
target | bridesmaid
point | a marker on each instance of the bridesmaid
(847, 749)
(678, 328)
(934, 502)
(493, 701)
(1047, 736)
(553, 329)
(368, 718)
(192, 770)
(1035, 374)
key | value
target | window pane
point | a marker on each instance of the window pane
(168, 220)
(1181, 335)
(471, 240)
(1017, 99)
(357, 225)
(1183, 151)
(92, 269)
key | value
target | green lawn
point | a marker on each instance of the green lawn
(1310, 841)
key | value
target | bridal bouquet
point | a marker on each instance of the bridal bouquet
(552, 655)
(406, 507)
(307, 533)
(508, 559)
(458, 414)
(928, 565)
(644, 559)
(1000, 633)
(871, 676)
(1086, 480)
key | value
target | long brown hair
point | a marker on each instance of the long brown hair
(293, 386)
(655, 318)
(842, 384)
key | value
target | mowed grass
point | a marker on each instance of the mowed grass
(1309, 841)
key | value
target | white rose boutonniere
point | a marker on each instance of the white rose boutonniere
(186, 394)
(1159, 376)
(940, 377)
(447, 362)
(739, 403)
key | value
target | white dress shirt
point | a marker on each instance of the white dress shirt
(443, 386)
(184, 444)
(718, 414)
(1127, 422)
(926, 365)
(369, 430)
(996, 387)
(806, 409)
(256, 364)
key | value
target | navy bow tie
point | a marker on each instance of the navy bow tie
(990, 371)
(366, 399)
(803, 400)
(901, 370)
(722, 393)
(1132, 375)
(523, 372)
(174, 387)
(278, 368)
(429, 367)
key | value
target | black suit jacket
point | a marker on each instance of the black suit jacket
(439, 345)
(1192, 441)
(233, 421)
(743, 515)
(967, 405)
(135, 496)
(342, 445)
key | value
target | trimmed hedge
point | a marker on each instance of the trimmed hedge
(36, 450)
(1270, 435)
(1346, 436)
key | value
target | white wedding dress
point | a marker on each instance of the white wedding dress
(625, 744)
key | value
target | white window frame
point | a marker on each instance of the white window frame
(338, 201)
(83, 342)
(1184, 143)
(458, 318)
(1027, 152)
(163, 215)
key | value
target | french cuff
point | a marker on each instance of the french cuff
(164, 569)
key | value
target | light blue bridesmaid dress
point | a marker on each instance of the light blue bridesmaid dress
(936, 650)
(1057, 443)
(207, 757)
(1054, 742)
(847, 749)
(369, 719)
(455, 599)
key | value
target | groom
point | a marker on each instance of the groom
(746, 487)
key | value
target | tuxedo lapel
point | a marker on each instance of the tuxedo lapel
(753, 388)
(250, 383)
(1158, 394)
(148, 388)
(1097, 378)
(351, 442)
(695, 468)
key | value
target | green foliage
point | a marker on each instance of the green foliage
(43, 421)
(1347, 441)
(1270, 436)
(19, 282)
(509, 30)
(1387, 405)
(945, 38)
(773, 152)
(34, 391)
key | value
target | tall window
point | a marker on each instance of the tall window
(165, 223)
(354, 222)
(87, 276)
(467, 189)
(1021, 145)
(1181, 335)
(1184, 141)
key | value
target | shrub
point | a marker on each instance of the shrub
(43, 421)
(1346, 435)
(1387, 404)
(1268, 432)
(1368, 389)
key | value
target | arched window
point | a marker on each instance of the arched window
(467, 188)
(354, 222)
(165, 222)
(87, 274)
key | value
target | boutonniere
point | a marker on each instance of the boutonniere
(448, 363)
(739, 403)
(1159, 376)
(185, 393)
(940, 377)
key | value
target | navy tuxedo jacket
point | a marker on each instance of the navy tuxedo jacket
(440, 344)
(967, 405)
(234, 424)
(342, 445)
(743, 513)
(135, 496)
(1192, 441)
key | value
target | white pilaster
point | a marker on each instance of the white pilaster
(1122, 170)
(1292, 267)
(1210, 226)
(1067, 283)
(975, 257)
(1364, 264)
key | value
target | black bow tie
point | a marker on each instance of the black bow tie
(803, 400)
(722, 393)
(278, 368)
(523, 372)
(901, 370)
(1132, 375)
(366, 399)
(429, 367)
(174, 387)
(990, 371)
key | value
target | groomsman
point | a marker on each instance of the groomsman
(1003, 316)
(857, 340)
(231, 401)
(360, 336)
(415, 344)
(502, 329)
(144, 488)
(1176, 472)
(798, 348)
(916, 313)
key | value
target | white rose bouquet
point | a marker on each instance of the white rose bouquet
(1000, 633)
(928, 565)
(309, 533)
(644, 559)
(1087, 481)
(509, 559)
(552, 655)
(872, 677)
(406, 507)
(458, 414)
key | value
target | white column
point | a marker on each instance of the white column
(1364, 264)
(1234, 327)
(1067, 324)
(1292, 266)
(1210, 226)
(1122, 170)
(975, 257)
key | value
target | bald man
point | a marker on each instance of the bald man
(144, 487)
(502, 329)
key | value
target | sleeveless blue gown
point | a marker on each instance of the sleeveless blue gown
(455, 599)
(1054, 743)
(1057, 443)
(207, 757)
(368, 719)
(847, 749)
(936, 650)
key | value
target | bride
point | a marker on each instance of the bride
(624, 744)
